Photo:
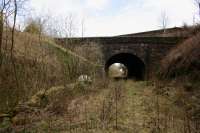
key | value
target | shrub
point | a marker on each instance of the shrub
(33, 27)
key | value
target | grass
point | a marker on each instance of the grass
(137, 112)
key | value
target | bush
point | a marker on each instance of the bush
(33, 27)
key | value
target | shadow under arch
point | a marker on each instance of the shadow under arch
(135, 66)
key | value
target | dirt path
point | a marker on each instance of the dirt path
(133, 110)
(136, 110)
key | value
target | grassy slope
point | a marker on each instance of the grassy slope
(32, 68)
(183, 60)
(40, 65)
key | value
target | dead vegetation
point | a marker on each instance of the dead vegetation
(50, 99)
(44, 95)
(32, 68)
(40, 92)
(183, 60)
(180, 77)
(119, 107)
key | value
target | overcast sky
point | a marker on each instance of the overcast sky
(115, 17)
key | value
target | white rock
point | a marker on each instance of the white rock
(84, 78)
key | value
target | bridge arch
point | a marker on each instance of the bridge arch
(134, 65)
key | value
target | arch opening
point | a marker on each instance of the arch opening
(135, 66)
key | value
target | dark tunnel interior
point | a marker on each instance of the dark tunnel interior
(135, 66)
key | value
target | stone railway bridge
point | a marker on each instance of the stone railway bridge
(140, 53)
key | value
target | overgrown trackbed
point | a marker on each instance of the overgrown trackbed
(122, 107)
(126, 107)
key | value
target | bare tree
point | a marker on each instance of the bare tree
(53, 26)
(4, 10)
(9, 8)
(82, 27)
(37, 26)
(69, 24)
(163, 20)
(13, 27)
(1, 35)
(60, 26)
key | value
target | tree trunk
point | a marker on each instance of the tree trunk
(1, 35)
(13, 28)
